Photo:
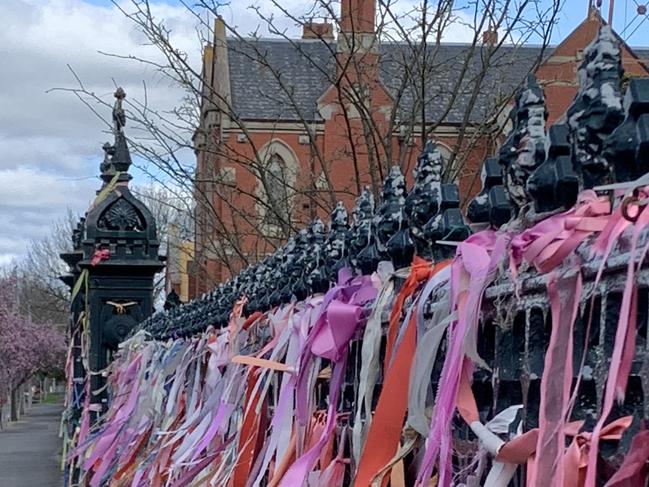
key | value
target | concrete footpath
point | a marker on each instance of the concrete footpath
(30, 449)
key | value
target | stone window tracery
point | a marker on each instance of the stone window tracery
(278, 194)
(276, 186)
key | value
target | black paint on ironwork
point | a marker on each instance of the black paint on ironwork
(337, 243)
(555, 183)
(362, 246)
(524, 149)
(317, 278)
(424, 198)
(390, 216)
(117, 245)
(627, 149)
(479, 209)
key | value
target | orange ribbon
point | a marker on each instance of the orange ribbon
(252, 319)
(421, 270)
(284, 464)
(522, 448)
(250, 434)
(261, 362)
(385, 431)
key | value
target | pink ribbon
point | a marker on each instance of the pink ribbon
(623, 350)
(634, 469)
(550, 241)
(473, 270)
(565, 296)
(356, 292)
(340, 316)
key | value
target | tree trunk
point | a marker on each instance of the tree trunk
(14, 414)
(21, 400)
(29, 394)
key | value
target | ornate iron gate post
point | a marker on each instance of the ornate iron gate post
(119, 258)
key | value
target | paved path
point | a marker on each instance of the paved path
(30, 449)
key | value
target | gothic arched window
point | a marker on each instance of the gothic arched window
(277, 178)
(277, 189)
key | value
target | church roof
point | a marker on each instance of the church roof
(279, 79)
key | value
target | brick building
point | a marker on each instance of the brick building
(289, 126)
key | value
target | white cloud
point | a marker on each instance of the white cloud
(50, 143)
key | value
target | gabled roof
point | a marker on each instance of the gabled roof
(281, 80)
(278, 79)
(444, 99)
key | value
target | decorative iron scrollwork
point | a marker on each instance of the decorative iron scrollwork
(121, 216)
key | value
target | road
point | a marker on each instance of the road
(30, 449)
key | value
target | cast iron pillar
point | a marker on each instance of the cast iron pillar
(120, 254)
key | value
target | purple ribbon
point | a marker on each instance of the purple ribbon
(340, 316)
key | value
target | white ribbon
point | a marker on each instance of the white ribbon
(370, 350)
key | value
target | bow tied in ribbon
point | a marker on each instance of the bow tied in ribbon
(575, 461)
(340, 315)
(340, 323)
(576, 456)
(340, 319)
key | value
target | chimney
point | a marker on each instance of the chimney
(318, 30)
(490, 37)
(358, 16)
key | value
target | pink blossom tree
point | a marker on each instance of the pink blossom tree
(26, 348)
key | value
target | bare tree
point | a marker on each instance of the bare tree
(43, 296)
(432, 88)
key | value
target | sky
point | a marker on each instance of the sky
(50, 142)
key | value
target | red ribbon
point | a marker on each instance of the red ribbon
(100, 255)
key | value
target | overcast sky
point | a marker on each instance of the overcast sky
(50, 143)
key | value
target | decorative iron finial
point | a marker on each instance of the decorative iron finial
(117, 157)
(279, 273)
(315, 271)
(172, 300)
(297, 269)
(389, 216)
(119, 116)
(266, 286)
(555, 184)
(77, 234)
(361, 231)
(626, 149)
(448, 224)
(436, 204)
(597, 108)
(423, 200)
(256, 287)
(337, 244)
(491, 206)
(524, 149)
